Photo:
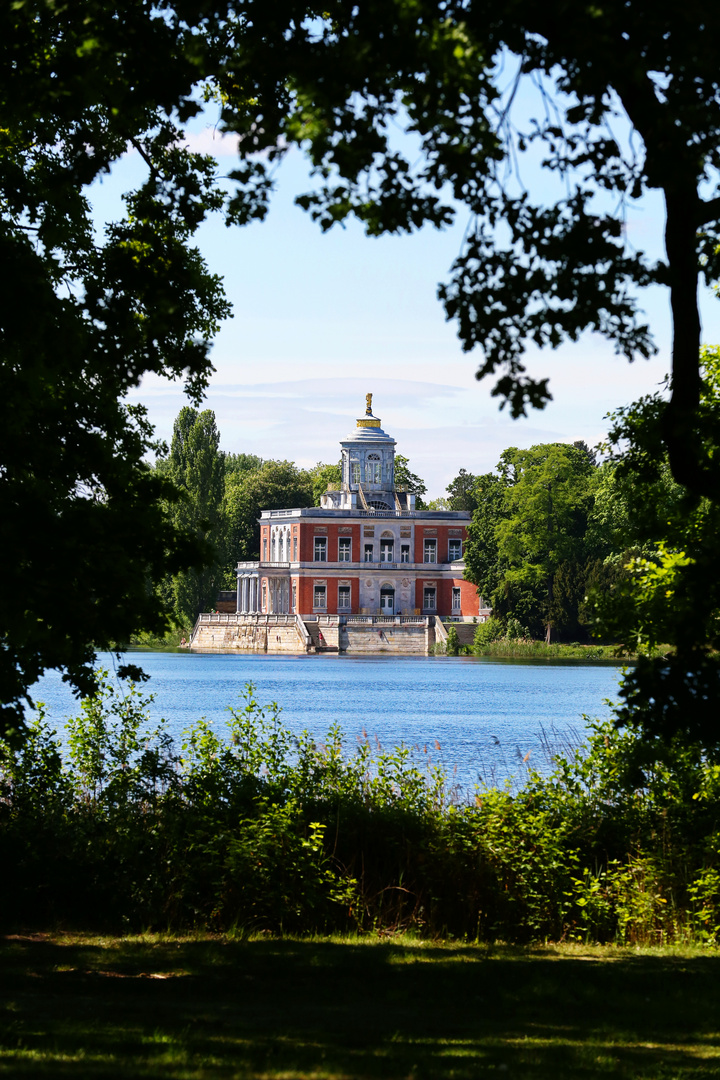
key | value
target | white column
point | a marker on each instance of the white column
(238, 605)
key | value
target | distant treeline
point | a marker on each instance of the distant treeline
(566, 543)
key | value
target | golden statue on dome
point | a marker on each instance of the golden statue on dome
(368, 404)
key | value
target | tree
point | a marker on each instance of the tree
(627, 100)
(277, 485)
(242, 463)
(484, 565)
(322, 476)
(85, 313)
(668, 598)
(526, 547)
(461, 491)
(197, 469)
(409, 481)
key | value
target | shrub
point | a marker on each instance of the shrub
(487, 632)
(259, 828)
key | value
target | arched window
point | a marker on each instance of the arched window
(373, 469)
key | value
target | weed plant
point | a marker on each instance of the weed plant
(257, 829)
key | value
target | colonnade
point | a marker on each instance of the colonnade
(278, 595)
(248, 594)
(250, 602)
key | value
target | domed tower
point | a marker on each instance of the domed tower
(368, 469)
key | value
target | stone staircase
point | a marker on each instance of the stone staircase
(465, 631)
(328, 642)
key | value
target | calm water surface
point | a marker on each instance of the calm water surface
(486, 714)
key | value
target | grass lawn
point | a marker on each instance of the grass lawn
(82, 1006)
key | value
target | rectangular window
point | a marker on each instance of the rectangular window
(386, 550)
(265, 550)
(343, 597)
(454, 550)
(456, 599)
(373, 469)
(430, 551)
(294, 548)
(320, 548)
(404, 553)
(294, 596)
(428, 599)
(319, 597)
(344, 549)
(368, 553)
(264, 597)
(354, 472)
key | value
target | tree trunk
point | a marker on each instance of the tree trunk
(688, 461)
(551, 597)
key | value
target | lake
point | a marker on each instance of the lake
(485, 714)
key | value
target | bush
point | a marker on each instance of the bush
(452, 645)
(487, 632)
(261, 829)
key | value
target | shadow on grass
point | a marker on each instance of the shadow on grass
(285, 1008)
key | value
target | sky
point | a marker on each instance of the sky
(320, 320)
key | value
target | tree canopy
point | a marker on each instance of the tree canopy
(86, 312)
(527, 547)
(669, 595)
(197, 469)
(627, 100)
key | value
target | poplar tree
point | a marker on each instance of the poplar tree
(197, 469)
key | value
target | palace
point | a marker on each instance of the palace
(365, 557)
(365, 551)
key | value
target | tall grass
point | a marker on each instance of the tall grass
(255, 828)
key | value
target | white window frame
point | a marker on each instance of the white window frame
(456, 598)
(368, 550)
(387, 550)
(455, 543)
(320, 549)
(354, 471)
(430, 550)
(373, 469)
(318, 589)
(427, 590)
(345, 549)
(345, 589)
(404, 553)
